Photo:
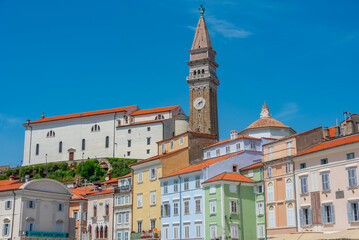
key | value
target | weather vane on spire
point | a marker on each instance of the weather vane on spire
(201, 10)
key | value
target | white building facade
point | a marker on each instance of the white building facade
(120, 132)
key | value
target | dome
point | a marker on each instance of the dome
(266, 122)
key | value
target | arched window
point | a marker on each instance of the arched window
(106, 232)
(159, 117)
(107, 142)
(90, 229)
(50, 134)
(101, 232)
(83, 146)
(95, 128)
(202, 71)
(97, 232)
(95, 210)
(194, 73)
(37, 149)
(60, 147)
(199, 71)
(107, 209)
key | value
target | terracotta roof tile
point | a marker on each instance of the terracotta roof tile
(252, 166)
(154, 110)
(228, 140)
(200, 166)
(13, 186)
(8, 182)
(157, 157)
(332, 143)
(266, 122)
(235, 177)
(105, 191)
(112, 180)
(331, 132)
(126, 176)
(85, 114)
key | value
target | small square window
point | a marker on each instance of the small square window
(148, 151)
(60, 207)
(234, 168)
(148, 129)
(129, 153)
(302, 165)
(323, 161)
(350, 156)
(129, 131)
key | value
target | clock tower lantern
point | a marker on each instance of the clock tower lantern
(203, 81)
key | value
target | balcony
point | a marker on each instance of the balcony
(146, 235)
(46, 234)
(126, 188)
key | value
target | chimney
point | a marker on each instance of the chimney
(109, 175)
(234, 134)
(337, 131)
(11, 178)
(27, 177)
(326, 133)
(43, 115)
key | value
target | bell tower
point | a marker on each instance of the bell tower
(203, 81)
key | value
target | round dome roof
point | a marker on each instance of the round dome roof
(266, 122)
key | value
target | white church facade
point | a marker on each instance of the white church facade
(121, 132)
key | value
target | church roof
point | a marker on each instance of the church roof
(266, 122)
(201, 38)
(85, 114)
(154, 110)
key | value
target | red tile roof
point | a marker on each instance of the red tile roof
(158, 157)
(126, 176)
(8, 182)
(235, 177)
(200, 166)
(293, 135)
(85, 114)
(80, 193)
(228, 140)
(154, 110)
(266, 122)
(331, 144)
(112, 180)
(140, 123)
(331, 132)
(252, 166)
(13, 186)
(105, 191)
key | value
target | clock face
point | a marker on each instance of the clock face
(199, 103)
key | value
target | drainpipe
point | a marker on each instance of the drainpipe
(81, 220)
(13, 215)
(222, 213)
(114, 135)
(264, 200)
(241, 216)
(180, 207)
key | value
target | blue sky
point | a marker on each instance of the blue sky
(62, 57)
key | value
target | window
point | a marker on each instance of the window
(8, 205)
(139, 226)
(175, 185)
(60, 207)
(269, 171)
(175, 208)
(186, 206)
(83, 145)
(208, 154)
(165, 232)
(186, 184)
(270, 150)
(198, 205)
(232, 188)
(234, 231)
(153, 224)
(260, 208)
(352, 176)
(148, 151)
(304, 184)
(75, 215)
(139, 200)
(228, 149)
(270, 192)
(212, 206)
(129, 142)
(60, 147)
(95, 128)
(181, 141)
(218, 152)
(323, 161)
(252, 145)
(166, 209)
(175, 231)
(258, 189)
(148, 141)
(107, 209)
(148, 129)
(302, 165)
(238, 146)
(305, 216)
(37, 149)
(165, 187)
(153, 174)
(328, 215)
(289, 148)
(50, 134)
(198, 181)
(163, 147)
(128, 153)
(140, 177)
(126, 235)
(325, 181)
(198, 232)
(353, 211)
(129, 131)
(153, 198)
(271, 217)
(260, 231)
(30, 226)
(172, 144)
(31, 204)
(250, 173)
(234, 168)
(290, 215)
(350, 156)
(213, 231)
(119, 218)
(289, 189)
(233, 206)
(186, 231)
(6, 229)
(288, 168)
(107, 142)
(159, 117)
(212, 189)
(95, 210)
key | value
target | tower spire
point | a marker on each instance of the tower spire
(201, 38)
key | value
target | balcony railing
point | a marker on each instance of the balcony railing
(146, 235)
(47, 234)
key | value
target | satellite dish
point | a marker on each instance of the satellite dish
(106, 178)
